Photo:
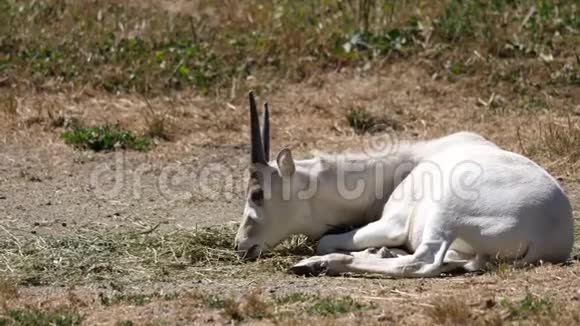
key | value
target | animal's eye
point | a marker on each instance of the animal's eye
(257, 196)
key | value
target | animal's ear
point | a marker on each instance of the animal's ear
(285, 162)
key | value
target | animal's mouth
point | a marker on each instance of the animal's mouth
(251, 253)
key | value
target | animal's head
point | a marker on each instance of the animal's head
(273, 210)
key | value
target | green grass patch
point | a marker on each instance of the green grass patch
(295, 297)
(127, 47)
(317, 305)
(255, 305)
(104, 138)
(336, 306)
(362, 122)
(536, 21)
(527, 307)
(137, 299)
(125, 323)
(457, 20)
(60, 316)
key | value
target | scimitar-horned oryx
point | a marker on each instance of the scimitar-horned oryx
(454, 202)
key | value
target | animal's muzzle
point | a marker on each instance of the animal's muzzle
(252, 252)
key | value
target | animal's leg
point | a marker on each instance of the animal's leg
(427, 261)
(453, 259)
(478, 263)
(375, 234)
(383, 252)
(468, 261)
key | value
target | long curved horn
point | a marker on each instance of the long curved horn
(266, 132)
(256, 143)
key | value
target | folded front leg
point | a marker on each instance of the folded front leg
(383, 252)
(375, 234)
(426, 261)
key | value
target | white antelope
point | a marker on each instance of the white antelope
(455, 202)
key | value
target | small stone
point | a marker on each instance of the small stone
(63, 224)
(2, 197)
(488, 304)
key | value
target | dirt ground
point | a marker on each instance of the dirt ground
(49, 189)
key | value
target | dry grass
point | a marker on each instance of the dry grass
(8, 291)
(449, 311)
(531, 309)
(46, 112)
(8, 105)
(554, 141)
(206, 252)
(158, 122)
(560, 141)
(122, 259)
(255, 307)
(8, 109)
(250, 306)
(362, 121)
(27, 314)
(254, 303)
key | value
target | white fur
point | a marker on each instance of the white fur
(453, 202)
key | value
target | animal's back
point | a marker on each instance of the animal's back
(498, 203)
(514, 206)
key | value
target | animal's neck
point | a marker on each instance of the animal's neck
(353, 188)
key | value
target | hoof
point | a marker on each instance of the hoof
(371, 251)
(384, 252)
(308, 268)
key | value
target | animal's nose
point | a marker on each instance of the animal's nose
(247, 253)
(252, 253)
